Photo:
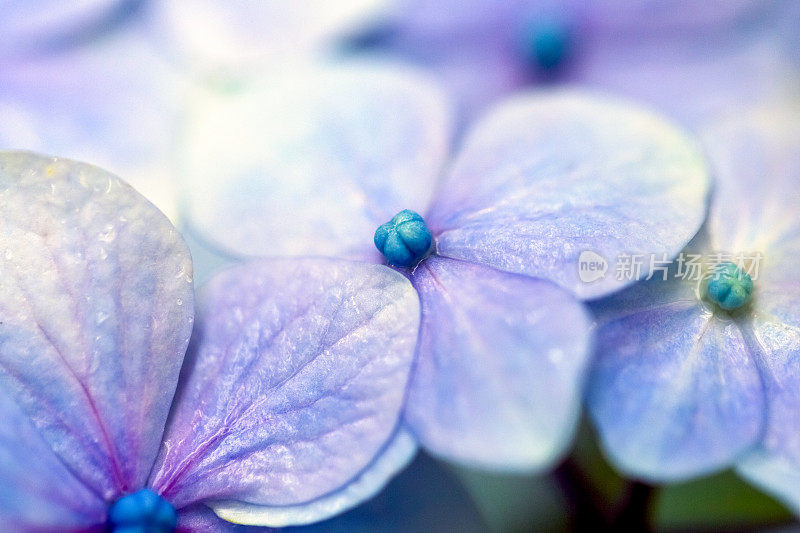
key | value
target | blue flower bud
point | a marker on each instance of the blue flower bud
(547, 44)
(405, 240)
(142, 512)
(729, 287)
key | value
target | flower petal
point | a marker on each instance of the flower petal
(236, 38)
(775, 474)
(675, 392)
(397, 454)
(114, 103)
(97, 310)
(545, 177)
(348, 149)
(757, 158)
(500, 368)
(37, 491)
(38, 26)
(298, 380)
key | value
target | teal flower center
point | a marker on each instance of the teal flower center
(547, 44)
(729, 286)
(142, 512)
(405, 240)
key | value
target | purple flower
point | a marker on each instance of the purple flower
(689, 59)
(286, 410)
(315, 165)
(690, 377)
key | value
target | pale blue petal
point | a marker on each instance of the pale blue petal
(757, 158)
(97, 308)
(37, 491)
(674, 392)
(500, 366)
(238, 38)
(200, 517)
(115, 104)
(397, 454)
(547, 176)
(691, 82)
(299, 374)
(348, 148)
(37, 26)
(775, 474)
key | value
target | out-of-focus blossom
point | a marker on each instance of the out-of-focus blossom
(314, 166)
(689, 59)
(288, 403)
(219, 37)
(38, 27)
(682, 386)
(114, 102)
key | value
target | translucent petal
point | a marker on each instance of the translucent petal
(675, 392)
(397, 454)
(37, 26)
(757, 158)
(97, 308)
(37, 491)
(114, 103)
(717, 77)
(237, 38)
(775, 474)
(500, 366)
(298, 380)
(545, 177)
(349, 147)
(426, 496)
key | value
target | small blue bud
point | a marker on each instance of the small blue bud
(547, 44)
(729, 287)
(142, 512)
(405, 240)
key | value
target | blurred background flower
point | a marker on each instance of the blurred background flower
(687, 58)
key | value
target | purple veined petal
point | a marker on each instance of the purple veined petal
(399, 451)
(298, 379)
(38, 26)
(500, 367)
(674, 392)
(236, 38)
(756, 156)
(547, 176)
(97, 308)
(349, 147)
(37, 491)
(114, 102)
(775, 474)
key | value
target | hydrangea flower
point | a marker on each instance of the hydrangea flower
(285, 411)
(315, 167)
(692, 374)
(687, 59)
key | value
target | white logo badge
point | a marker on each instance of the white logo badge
(591, 266)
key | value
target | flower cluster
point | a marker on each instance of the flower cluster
(418, 224)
